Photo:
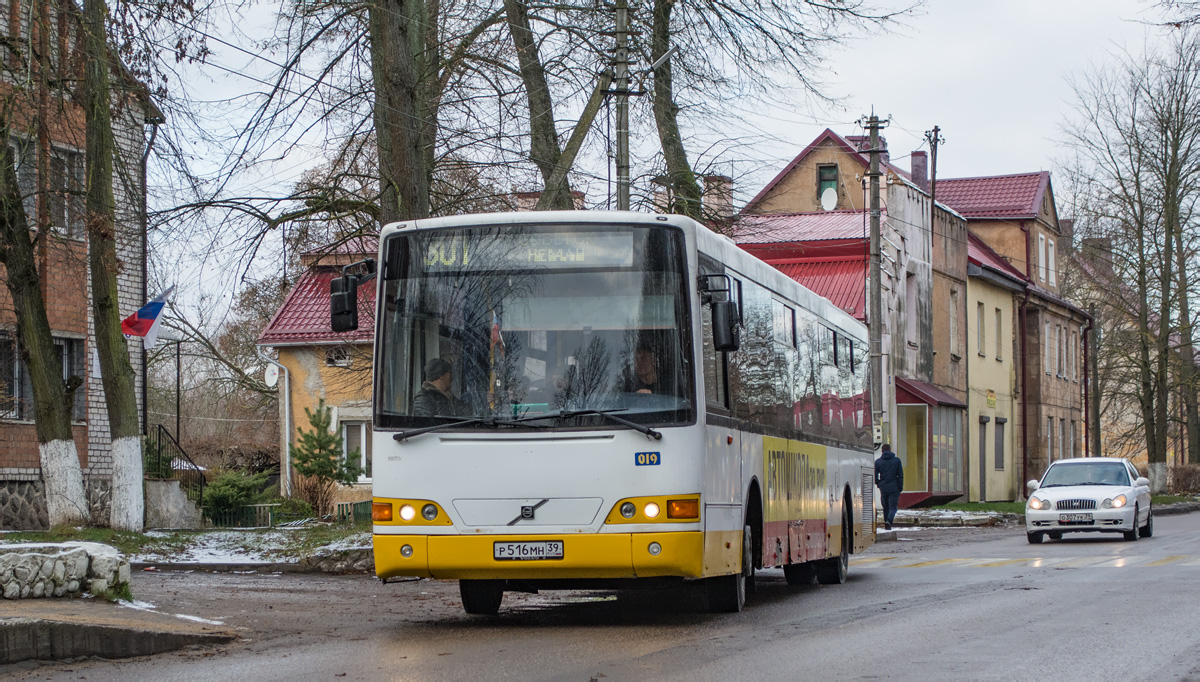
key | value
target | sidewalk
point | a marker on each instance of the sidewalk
(57, 629)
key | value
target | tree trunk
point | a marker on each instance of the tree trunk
(399, 31)
(684, 190)
(543, 136)
(99, 216)
(1187, 356)
(66, 501)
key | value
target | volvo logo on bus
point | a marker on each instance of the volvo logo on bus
(527, 511)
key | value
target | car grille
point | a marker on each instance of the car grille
(1075, 504)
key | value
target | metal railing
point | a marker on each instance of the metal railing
(353, 512)
(165, 458)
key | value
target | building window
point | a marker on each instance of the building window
(955, 350)
(16, 387)
(826, 179)
(784, 319)
(1000, 422)
(999, 335)
(979, 333)
(1058, 337)
(1042, 257)
(1046, 345)
(910, 309)
(1050, 263)
(1071, 447)
(65, 187)
(1062, 436)
(1049, 439)
(356, 438)
(337, 356)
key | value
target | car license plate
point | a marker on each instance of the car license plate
(528, 551)
(1073, 518)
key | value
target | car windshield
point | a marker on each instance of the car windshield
(1090, 473)
(494, 323)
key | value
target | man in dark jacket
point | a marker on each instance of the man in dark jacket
(435, 399)
(889, 478)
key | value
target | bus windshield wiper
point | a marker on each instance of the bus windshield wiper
(489, 421)
(607, 414)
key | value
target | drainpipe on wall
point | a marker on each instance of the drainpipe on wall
(154, 122)
(1086, 394)
(1024, 373)
(285, 409)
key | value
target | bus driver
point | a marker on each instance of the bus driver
(435, 399)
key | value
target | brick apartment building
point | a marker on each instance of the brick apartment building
(63, 264)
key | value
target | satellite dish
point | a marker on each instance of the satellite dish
(829, 199)
(272, 375)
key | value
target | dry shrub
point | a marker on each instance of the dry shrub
(1184, 479)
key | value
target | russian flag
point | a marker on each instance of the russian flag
(145, 321)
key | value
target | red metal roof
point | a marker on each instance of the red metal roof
(1000, 197)
(910, 391)
(979, 253)
(304, 316)
(801, 227)
(841, 280)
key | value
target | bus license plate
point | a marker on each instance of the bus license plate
(1073, 518)
(528, 551)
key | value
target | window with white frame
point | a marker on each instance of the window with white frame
(356, 438)
(337, 356)
(1046, 343)
(1062, 436)
(1074, 368)
(999, 334)
(1050, 263)
(1050, 438)
(980, 336)
(955, 351)
(1058, 336)
(1042, 257)
(64, 185)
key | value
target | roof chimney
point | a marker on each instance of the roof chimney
(920, 170)
(718, 197)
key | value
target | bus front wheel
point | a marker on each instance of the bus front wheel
(481, 597)
(727, 593)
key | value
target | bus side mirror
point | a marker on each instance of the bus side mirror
(724, 326)
(343, 303)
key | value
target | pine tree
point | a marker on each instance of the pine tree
(317, 458)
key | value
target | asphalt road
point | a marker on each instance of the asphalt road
(948, 604)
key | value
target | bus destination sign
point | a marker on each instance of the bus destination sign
(545, 251)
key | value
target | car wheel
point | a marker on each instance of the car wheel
(481, 597)
(1055, 535)
(833, 571)
(1133, 534)
(727, 593)
(1148, 529)
(1035, 537)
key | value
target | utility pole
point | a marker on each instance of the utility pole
(875, 321)
(621, 79)
(934, 138)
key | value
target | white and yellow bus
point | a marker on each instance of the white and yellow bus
(601, 423)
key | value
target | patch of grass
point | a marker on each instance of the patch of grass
(125, 542)
(116, 593)
(1171, 499)
(304, 541)
(984, 507)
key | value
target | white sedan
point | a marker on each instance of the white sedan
(1088, 495)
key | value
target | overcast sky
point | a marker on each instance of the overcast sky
(992, 75)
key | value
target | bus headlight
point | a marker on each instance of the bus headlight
(407, 512)
(429, 512)
(628, 510)
(651, 510)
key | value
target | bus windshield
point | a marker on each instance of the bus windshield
(503, 322)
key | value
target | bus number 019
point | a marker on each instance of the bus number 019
(643, 459)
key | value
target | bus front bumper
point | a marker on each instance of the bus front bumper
(599, 555)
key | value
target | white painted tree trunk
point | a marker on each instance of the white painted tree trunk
(1158, 477)
(66, 500)
(128, 496)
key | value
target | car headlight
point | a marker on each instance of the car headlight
(1038, 503)
(1115, 503)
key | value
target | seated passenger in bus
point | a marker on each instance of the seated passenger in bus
(435, 399)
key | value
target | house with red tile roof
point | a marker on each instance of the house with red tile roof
(812, 222)
(1016, 217)
(320, 364)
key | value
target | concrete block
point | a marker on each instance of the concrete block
(103, 566)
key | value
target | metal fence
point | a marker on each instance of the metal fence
(164, 458)
(270, 516)
(354, 512)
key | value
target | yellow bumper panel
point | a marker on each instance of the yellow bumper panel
(601, 555)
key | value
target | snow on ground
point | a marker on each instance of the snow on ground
(242, 547)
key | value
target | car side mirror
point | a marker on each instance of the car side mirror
(1032, 485)
(1142, 480)
(343, 303)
